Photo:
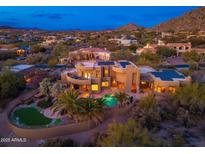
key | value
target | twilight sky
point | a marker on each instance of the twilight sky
(86, 18)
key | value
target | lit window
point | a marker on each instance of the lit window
(97, 74)
(143, 82)
(159, 89)
(106, 71)
(114, 83)
(163, 89)
(94, 87)
(105, 84)
(87, 75)
(172, 89)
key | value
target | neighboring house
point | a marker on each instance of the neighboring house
(90, 54)
(7, 47)
(151, 48)
(48, 40)
(93, 77)
(166, 34)
(21, 68)
(180, 47)
(125, 41)
(64, 61)
(20, 52)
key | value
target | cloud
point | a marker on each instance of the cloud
(42, 14)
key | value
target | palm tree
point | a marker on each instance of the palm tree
(77, 108)
(121, 97)
(92, 109)
(68, 102)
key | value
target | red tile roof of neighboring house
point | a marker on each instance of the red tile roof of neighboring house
(178, 44)
(93, 50)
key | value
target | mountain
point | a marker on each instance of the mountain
(5, 27)
(190, 21)
(128, 27)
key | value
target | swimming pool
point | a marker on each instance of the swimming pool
(31, 116)
(109, 100)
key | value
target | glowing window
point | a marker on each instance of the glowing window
(106, 72)
(105, 84)
(143, 82)
(87, 75)
(97, 74)
(172, 89)
(159, 89)
(94, 87)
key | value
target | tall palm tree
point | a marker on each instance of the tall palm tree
(92, 109)
(68, 102)
(77, 108)
(121, 97)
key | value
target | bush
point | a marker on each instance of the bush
(191, 56)
(7, 55)
(147, 113)
(166, 52)
(44, 104)
(37, 49)
(129, 134)
(10, 85)
(178, 139)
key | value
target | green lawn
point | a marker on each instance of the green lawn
(30, 116)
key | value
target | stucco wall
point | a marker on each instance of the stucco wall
(60, 130)
(54, 131)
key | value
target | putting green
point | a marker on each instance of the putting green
(30, 116)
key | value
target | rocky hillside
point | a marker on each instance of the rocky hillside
(193, 20)
(128, 27)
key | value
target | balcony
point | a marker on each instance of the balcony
(74, 79)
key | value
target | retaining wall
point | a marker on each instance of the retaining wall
(59, 130)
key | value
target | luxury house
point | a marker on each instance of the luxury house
(86, 54)
(90, 54)
(95, 76)
(179, 47)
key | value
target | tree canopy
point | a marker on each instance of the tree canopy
(10, 85)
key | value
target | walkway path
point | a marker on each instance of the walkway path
(4, 130)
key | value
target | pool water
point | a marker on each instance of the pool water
(31, 117)
(109, 100)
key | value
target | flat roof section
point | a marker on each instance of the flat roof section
(146, 69)
(20, 67)
(124, 63)
(168, 75)
(182, 66)
(106, 63)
